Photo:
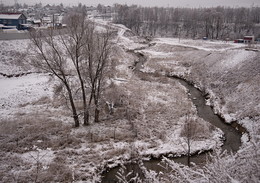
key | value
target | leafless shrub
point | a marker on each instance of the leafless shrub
(21, 136)
(145, 77)
(57, 171)
(117, 152)
(13, 168)
(42, 101)
(57, 89)
(191, 131)
(66, 141)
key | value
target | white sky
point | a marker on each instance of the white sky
(171, 3)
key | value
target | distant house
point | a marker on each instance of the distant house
(36, 23)
(47, 20)
(249, 39)
(54, 20)
(13, 20)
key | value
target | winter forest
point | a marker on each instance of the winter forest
(214, 23)
(129, 94)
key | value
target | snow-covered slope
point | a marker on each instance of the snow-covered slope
(227, 72)
(151, 122)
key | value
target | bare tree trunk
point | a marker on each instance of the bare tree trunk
(97, 97)
(97, 55)
(84, 100)
(53, 60)
(188, 152)
(96, 114)
(73, 108)
(189, 131)
(89, 106)
(77, 30)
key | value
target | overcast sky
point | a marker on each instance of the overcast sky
(165, 3)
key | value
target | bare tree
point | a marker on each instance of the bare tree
(97, 59)
(50, 57)
(74, 38)
(190, 131)
(78, 53)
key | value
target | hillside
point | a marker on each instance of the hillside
(226, 72)
(38, 141)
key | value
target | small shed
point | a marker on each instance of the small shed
(249, 39)
(37, 23)
(13, 20)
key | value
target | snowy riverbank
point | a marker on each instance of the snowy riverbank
(39, 123)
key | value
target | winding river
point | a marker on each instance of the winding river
(232, 142)
(233, 131)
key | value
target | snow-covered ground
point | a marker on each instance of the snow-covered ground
(206, 45)
(228, 72)
(12, 56)
(18, 91)
(37, 127)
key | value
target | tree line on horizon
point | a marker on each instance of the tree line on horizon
(213, 23)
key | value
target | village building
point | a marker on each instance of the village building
(249, 39)
(13, 21)
(36, 23)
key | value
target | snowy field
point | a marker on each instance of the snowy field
(36, 128)
(16, 92)
(12, 54)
